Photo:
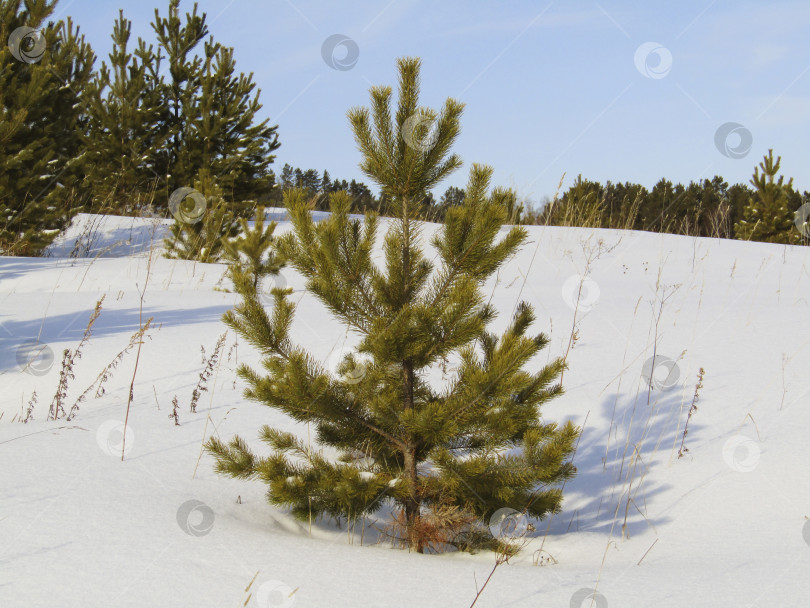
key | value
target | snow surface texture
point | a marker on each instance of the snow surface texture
(727, 524)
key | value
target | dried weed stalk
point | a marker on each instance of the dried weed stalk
(107, 372)
(205, 375)
(68, 361)
(692, 410)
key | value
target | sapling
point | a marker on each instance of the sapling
(478, 442)
(253, 251)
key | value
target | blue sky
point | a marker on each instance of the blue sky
(614, 90)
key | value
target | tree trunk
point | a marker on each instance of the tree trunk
(412, 514)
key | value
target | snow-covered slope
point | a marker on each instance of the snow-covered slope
(725, 524)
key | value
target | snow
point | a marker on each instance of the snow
(725, 524)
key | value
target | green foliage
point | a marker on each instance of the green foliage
(476, 442)
(252, 252)
(582, 205)
(203, 241)
(41, 126)
(435, 211)
(319, 188)
(769, 215)
(178, 39)
(128, 125)
(406, 165)
(708, 208)
(150, 120)
(162, 114)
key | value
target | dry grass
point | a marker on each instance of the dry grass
(29, 413)
(440, 529)
(205, 375)
(141, 327)
(69, 359)
(692, 409)
(175, 414)
(592, 253)
(108, 370)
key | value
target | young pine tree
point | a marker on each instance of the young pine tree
(213, 113)
(128, 121)
(42, 124)
(475, 441)
(252, 252)
(769, 216)
(203, 240)
(178, 39)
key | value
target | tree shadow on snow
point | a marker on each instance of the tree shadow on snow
(89, 236)
(69, 328)
(620, 473)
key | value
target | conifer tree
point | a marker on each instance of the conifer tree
(581, 205)
(514, 209)
(474, 442)
(44, 70)
(451, 197)
(128, 124)
(253, 252)
(178, 40)
(326, 182)
(287, 179)
(769, 215)
(213, 113)
(224, 135)
(203, 240)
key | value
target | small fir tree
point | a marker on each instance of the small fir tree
(474, 444)
(769, 216)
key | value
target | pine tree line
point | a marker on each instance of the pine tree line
(173, 113)
(318, 186)
(710, 208)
